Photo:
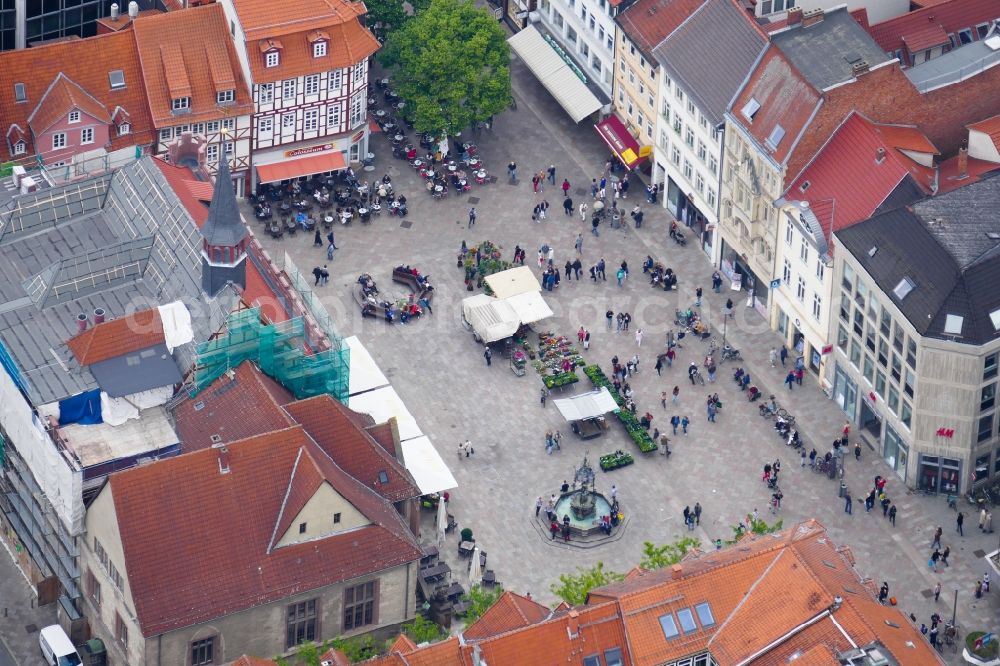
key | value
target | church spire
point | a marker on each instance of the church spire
(224, 237)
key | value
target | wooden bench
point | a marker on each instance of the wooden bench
(405, 277)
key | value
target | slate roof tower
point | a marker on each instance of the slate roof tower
(224, 238)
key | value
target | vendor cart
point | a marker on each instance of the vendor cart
(585, 412)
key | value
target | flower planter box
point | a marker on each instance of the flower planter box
(615, 460)
(636, 432)
(560, 380)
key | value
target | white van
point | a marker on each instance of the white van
(57, 648)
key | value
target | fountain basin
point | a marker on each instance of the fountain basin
(582, 526)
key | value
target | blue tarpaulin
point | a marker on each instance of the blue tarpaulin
(84, 408)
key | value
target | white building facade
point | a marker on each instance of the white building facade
(585, 30)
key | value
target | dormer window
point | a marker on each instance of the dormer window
(74, 116)
(750, 109)
(20, 148)
(180, 103)
(319, 49)
(225, 96)
(271, 59)
(124, 128)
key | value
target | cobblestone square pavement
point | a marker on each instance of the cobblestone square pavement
(440, 373)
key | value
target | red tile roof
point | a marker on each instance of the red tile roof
(350, 447)
(87, 63)
(990, 127)
(951, 178)
(350, 43)
(179, 579)
(785, 99)
(511, 611)
(649, 22)
(62, 97)
(930, 26)
(847, 178)
(220, 410)
(189, 53)
(906, 137)
(118, 337)
(258, 18)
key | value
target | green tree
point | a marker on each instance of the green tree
(422, 630)
(384, 16)
(451, 64)
(574, 589)
(479, 599)
(669, 554)
(756, 527)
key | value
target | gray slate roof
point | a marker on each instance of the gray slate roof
(941, 244)
(711, 55)
(825, 52)
(954, 66)
(43, 238)
(224, 226)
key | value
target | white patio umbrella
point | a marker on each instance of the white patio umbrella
(475, 569)
(442, 520)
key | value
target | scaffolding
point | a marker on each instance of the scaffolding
(281, 351)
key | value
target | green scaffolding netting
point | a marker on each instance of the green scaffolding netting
(281, 352)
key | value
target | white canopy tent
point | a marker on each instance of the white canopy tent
(513, 281)
(554, 73)
(586, 405)
(426, 466)
(529, 307)
(364, 373)
(383, 404)
(490, 318)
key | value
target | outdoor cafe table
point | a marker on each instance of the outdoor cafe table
(435, 573)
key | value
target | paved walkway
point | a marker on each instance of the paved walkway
(440, 373)
(20, 617)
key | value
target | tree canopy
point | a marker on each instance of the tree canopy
(574, 589)
(451, 65)
(667, 555)
(385, 16)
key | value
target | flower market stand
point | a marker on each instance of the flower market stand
(585, 412)
(610, 461)
(636, 431)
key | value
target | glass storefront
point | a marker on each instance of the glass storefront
(845, 393)
(895, 452)
(938, 475)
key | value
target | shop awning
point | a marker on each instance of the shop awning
(513, 281)
(365, 374)
(554, 73)
(426, 466)
(529, 307)
(619, 140)
(383, 404)
(331, 160)
(586, 405)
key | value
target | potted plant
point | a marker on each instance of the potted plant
(466, 534)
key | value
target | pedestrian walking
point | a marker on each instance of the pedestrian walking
(937, 590)
(579, 244)
(936, 543)
(610, 316)
(892, 515)
(583, 211)
(620, 275)
(512, 171)
(697, 513)
(684, 424)
(663, 399)
(711, 409)
(982, 518)
(773, 356)
(538, 506)
(958, 523)
(857, 451)
(986, 581)
(716, 282)
(317, 239)
(488, 355)
(979, 589)
(799, 374)
(944, 555)
(472, 217)
(586, 340)
(687, 515)
(847, 502)
(569, 269)
(317, 273)
(545, 394)
(675, 394)
(697, 297)
(659, 367)
(783, 354)
(790, 379)
(638, 337)
(674, 422)
(552, 173)
(565, 187)
(534, 183)
(324, 275)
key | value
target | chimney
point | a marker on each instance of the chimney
(98, 316)
(812, 17)
(133, 9)
(81, 323)
(676, 572)
(223, 458)
(794, 16)
(115, 12)
(879, 155)
(573, 624)
(963, 159)
(859, 68)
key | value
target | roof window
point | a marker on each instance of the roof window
(995, 318)
(872, 251)
(686, 618)
(669, 626)
(993, 235)
(704, 612)
(383, 478)
(20, 93)
(116, 78)
(750, 109)
(805, 185)
(777, 134)
(903, 289)
(953, 324)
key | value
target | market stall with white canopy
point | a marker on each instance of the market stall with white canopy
(585, 412)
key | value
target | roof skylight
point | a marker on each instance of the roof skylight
(995, 318)
(705, 616)
(953, 324)
(669, 626)
(687, 620)
(777, 134)
(116, 78)
(905, 286)
(750, 109)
